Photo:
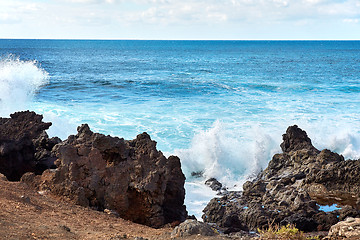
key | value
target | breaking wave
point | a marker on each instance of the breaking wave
(228, 155)
(235, 155)
(19, 81)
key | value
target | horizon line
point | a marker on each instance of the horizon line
(138, 39)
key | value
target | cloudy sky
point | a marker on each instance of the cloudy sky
(180, 19)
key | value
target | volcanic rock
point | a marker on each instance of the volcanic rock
(3, 177)
(348, 229)
(214, 184)
(22, 138)
(291, 189)
(192, 227)
(296, 139)
(131, 178)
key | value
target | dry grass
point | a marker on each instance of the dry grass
(288, 232)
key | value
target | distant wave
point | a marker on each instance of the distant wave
(19, 81)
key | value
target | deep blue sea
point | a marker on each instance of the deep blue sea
(221, 106)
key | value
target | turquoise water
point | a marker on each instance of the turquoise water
(329, 208)
(221, 106)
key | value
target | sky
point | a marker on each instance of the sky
(181, 19)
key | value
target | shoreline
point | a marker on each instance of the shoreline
(83, 168)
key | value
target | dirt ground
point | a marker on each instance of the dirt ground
(27, 214)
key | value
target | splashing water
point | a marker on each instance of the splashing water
(228, 155)
(19, 81)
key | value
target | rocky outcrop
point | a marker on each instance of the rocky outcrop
(348, 229)
(24, 145)
(296, 139)
(290, 190)
(132, 177)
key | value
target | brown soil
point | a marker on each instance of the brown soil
(27, 214)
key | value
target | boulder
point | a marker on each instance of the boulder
(19, 138)
(192, 227)
(132, 178)
(348, 229)
(291, 189)
(214, 184)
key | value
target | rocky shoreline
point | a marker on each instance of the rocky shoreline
(291, 190)
(135, 181)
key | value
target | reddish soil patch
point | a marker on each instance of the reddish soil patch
(27, 214)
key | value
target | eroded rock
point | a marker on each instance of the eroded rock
(20, 142)
(296, 139)
(348, 229)
(214, 184)
(290, 189)
(132, 177)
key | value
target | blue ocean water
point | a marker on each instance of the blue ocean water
(222, 106)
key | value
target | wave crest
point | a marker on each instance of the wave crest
(234, 155)
(229, 156)
(19, 81)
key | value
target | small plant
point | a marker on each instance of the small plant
(288, 232)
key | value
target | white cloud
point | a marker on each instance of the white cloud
(8, 18)
(78, 16)
(351, 20)
(91, 1)
(172, 11)
(283, 3)
(313, 1)
(187, 12)
(12, 12)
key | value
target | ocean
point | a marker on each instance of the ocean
(221, 106)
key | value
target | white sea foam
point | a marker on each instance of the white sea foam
(228, 155)
(197, 197)
(231, 156)
(235, 154)
(62, 126)
(346, 143)
(19, 81)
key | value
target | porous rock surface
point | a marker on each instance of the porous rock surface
(24, 145)
(214, 184)
(192, 227)
(347, 229)
(132, 177)
(290, 190)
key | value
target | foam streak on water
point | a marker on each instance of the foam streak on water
(222, 106)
